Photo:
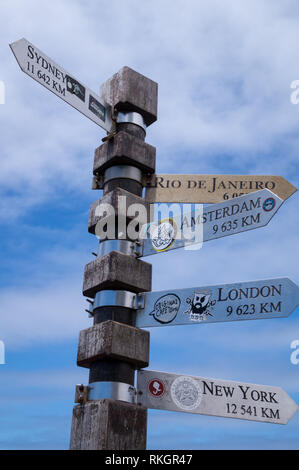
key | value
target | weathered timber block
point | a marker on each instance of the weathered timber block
(125, 149)
(128, 90)
(116, 270)
(113, 340)
(108, 425)
(120, 200)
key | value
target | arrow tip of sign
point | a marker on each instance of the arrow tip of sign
(14, 48)
(15, 42)
(290, 186)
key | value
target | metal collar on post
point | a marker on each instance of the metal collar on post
(132, 248)
(123, 171)
(117, 298)
(112, 390)
(124, 246)
(132, 118)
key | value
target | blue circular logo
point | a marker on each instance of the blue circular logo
(269, 204)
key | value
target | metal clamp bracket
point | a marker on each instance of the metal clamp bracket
(81, 394)
(116, 298)
(131, 117)
(117, 172)
(112, 390)
(138, 249)
(123, 171)
(124, 246)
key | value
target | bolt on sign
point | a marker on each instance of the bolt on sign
(254, 300)
(46, 72)
(214, 397)
(206, 189)
(216, 221)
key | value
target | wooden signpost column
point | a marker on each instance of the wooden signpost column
(113, 348)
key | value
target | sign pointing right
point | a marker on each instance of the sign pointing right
(206, 189)
(214, 397)
(215, 221)
(254, 300)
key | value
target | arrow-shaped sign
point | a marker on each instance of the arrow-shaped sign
(46, 72)
(206, 189)
(215, 221)
(254, 300)
(214, 397)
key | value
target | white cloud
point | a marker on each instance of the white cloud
(224, 70)
(50, 313)
(224, 73)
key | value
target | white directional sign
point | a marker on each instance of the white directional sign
(46, 72)
(214, 397)
(218, 220)
(255, 300)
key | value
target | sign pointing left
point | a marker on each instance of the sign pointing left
(46, 72)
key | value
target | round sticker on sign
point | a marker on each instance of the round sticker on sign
(156, 388)
(269, 204)
(186, 393)
(166, 308)
(163, 235)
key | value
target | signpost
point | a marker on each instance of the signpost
(255, 300)
(220, 220)
(46, 72)
(114, 348)
(214, 397)
(206, 189)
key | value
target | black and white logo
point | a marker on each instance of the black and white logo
(166, 308)
(164, 235)
(200, 305)
(75, 87)
(97, 108)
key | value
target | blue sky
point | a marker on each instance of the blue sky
(224, 70)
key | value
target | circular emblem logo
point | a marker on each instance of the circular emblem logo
(186, 393)
(163, 235)
(156, 388)
(269, 204)
(166, 308)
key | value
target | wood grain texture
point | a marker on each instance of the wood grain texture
(117, 271)
(125, 149)
(128, 90)
(108, 425)
(113, 340)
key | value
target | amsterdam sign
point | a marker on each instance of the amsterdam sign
(216, 221)
(255, 300)
(46, 72)
(214, 397)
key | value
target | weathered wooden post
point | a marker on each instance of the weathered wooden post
(113, 348)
